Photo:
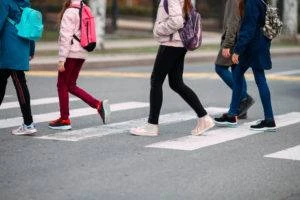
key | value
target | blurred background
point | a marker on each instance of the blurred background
(134, 18)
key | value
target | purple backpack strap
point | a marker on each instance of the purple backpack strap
(166, 6)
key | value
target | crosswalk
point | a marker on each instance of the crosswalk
(215, 136)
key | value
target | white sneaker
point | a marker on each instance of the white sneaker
(24, 130)
(203, 124)
(147, 130)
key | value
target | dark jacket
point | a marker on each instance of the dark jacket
(231, 26)
(14, 50)
(252, 46)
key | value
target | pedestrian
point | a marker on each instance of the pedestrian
(170, 61)
(71, 58)
(252, 50)
(15, 54)
(231, 25)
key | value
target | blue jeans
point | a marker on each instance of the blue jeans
(227, 77)
(264, 92)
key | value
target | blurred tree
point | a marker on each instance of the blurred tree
(290, 18)
(115, 13)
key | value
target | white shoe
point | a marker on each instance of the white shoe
(147, 130)
(203, 124)
(24, 130)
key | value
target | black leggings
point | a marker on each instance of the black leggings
(170, 61)
(19, 81)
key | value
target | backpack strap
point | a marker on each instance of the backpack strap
(11, 21)
(76, 38)
(264, 2)
(80, 11)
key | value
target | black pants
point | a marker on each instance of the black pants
(170, 61)
(19, 81)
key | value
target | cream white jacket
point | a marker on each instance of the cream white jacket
(69, 47)
(169, 24)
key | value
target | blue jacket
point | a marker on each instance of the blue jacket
(14, 51)
(252, 46)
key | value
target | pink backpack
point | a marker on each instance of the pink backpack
(87, 27)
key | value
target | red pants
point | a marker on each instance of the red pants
(67, 83)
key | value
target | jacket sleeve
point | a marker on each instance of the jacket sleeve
(3, 13)
(174, 21)
(67, 30)
(232, 26)
(248, 27)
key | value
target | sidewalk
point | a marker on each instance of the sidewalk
(98, 61)
(208, 38)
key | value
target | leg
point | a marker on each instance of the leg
(177, 84)
(75, 67)
(4, 75)
(19, 81)
(163, 63)
(238, 77)
(244, 84)
(225, 75)
(264, 92)
(63, 93)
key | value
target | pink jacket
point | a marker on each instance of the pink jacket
(167, 25)
(69, 47)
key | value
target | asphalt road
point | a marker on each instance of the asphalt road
(94, 162)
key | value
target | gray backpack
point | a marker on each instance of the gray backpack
(191, 33)
(273, 24)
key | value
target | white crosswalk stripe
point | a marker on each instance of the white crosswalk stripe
(122, 127)
(221, 135)
(288, 154)
(12, 122)
(34, 102)
(187, 143)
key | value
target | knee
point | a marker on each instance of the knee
(71, 88)
(176, 85)
(155, 83)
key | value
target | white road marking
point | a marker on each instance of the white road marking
(8, 96)
(12, 122)
(286, 73)
(122, 127)
(221, 135)
(33, 102)
(289, 154)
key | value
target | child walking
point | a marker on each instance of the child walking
(15, 53)
(71, 58)
(170, 61)
(252, 50)
(232, 19)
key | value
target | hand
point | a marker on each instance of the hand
(61, 66)
(235, 58)
(226, 53)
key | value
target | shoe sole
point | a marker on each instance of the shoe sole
(197, 134)
(264, 129)
(226, 124)
(132, 132)
(26, 133)
(107, 111)
(69, 127)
